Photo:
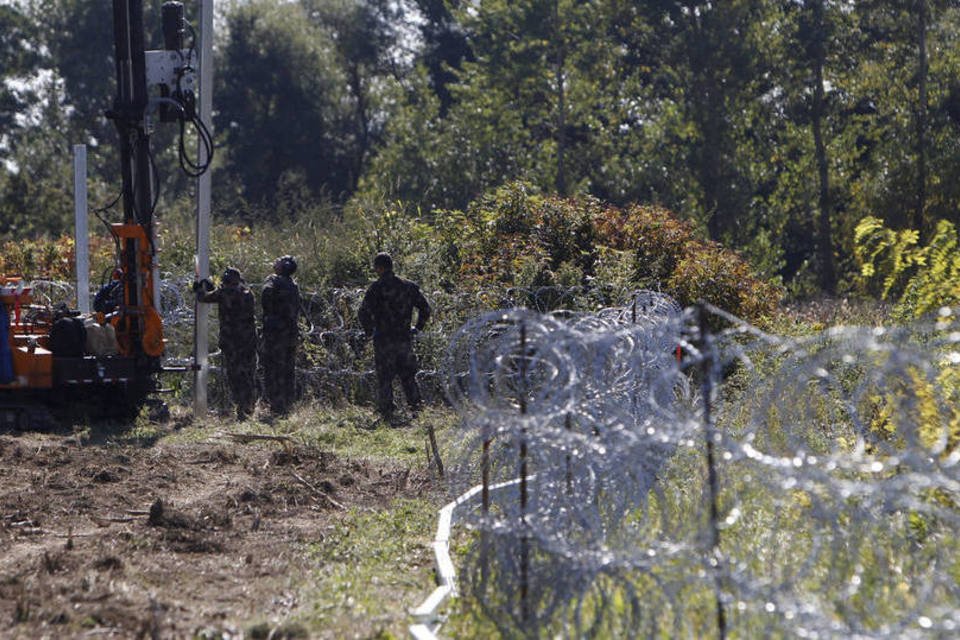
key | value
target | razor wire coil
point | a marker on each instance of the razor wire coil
(837, 461)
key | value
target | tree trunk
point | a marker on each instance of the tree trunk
(707, 111)
(711, 160)
(560, 80)
(922, 72)
(363, 126)
(824, 240)
(561, 183)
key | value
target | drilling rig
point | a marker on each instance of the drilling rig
(49, 357)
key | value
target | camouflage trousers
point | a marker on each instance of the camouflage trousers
(395, 359)
(279, 360)
(241, 367)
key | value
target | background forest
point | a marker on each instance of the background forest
(519, 153)
(773, 127)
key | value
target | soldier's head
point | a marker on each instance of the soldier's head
(231, 277)
(285, 266)
(382, 263)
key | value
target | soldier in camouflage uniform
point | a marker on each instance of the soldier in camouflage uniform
(238, 336)
(385, 314)
(281, 307)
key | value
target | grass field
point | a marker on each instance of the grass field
(320, 530)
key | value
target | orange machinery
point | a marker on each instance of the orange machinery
(27, 338)
(138, 325)
(118, 381)
(36, 372)
(33, 359)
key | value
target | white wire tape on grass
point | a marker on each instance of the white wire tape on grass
(428, 619)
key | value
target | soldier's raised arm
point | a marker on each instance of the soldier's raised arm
(205, 291)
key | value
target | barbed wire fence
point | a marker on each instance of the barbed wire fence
(759, 486)
(335, 362)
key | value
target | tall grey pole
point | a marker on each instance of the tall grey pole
(82, 237)
(202, 318)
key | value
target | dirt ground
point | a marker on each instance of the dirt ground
(168, 541)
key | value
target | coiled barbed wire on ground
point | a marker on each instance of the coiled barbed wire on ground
(836, 467)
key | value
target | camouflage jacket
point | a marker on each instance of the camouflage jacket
(281, 305)
(388, 305)
(236, 308)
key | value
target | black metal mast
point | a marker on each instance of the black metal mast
(129, 115)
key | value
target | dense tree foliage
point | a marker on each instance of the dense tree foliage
(773, 126)
(280, 100)
(18, 58)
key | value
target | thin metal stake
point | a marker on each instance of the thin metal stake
(82, 237)
(432, 442)
(485, 501)
(707, 389)
(568, 423)
(524, 540)
(485, 475)
(201, 322)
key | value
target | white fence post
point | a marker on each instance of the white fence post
(201, 315)
(81, 237)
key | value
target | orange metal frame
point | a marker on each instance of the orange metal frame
(142, 319)
(32, 361)
(30, 341)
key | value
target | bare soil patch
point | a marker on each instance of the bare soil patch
(170, 541)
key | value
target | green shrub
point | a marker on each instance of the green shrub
(52, 258)
(516, 237)
(658, 240)
(668, 256)
(921, 279)
(720, 277)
